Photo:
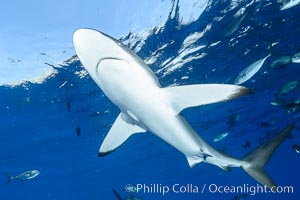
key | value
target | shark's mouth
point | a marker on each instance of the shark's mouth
(103, 59)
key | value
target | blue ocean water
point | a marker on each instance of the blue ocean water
(58, 126)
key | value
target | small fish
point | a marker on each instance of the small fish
(250, 71)
(281, 62)
(296, 148)
(289, 107)
(279, 102)
(236, 22)
(288, 4)
(221, 137)
(69, 106)
(296, 58)
(23, 176)
(289, 86)
(232, 119)
(78, 131)
(95, 114)
(292, 107)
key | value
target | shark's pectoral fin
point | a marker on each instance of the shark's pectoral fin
(182, 97)
(120, 131)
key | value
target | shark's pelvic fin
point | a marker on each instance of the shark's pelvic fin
(256, 160)
(120, 131)
(186, 96)
(193, 161)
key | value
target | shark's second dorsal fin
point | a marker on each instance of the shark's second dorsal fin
(186, 96)
(120, 131)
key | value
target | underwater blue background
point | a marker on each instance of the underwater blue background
(39, 121)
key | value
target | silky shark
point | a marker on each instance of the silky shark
(145, 106)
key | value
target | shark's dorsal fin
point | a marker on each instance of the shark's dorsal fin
(120, 131)
(186, 96)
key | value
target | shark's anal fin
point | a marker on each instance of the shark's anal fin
(182, 97)
(256, 160)
(120, 131)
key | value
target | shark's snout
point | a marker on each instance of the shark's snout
(93, 46)
(87, 44)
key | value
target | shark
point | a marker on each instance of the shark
(146, 106)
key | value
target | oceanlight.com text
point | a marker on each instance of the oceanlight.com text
(163, 189)
(248, 189)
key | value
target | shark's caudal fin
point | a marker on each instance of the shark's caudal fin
(182, 97)
(256, 160)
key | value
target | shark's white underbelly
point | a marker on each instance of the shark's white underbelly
(141, 98)
(137, 95)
